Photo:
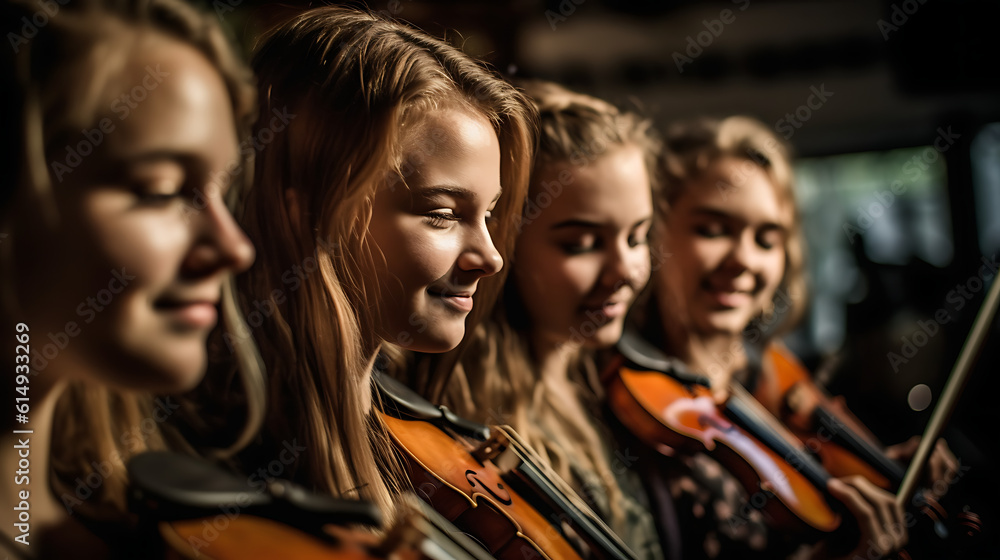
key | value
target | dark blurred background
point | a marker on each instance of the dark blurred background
(893, 109)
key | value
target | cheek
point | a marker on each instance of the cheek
(546, 282)
(416, 257)
(775, 271)
(153, 253)
(642, 268)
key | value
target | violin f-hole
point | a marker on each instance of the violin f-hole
(473, 478)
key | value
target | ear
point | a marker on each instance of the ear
(294, 209)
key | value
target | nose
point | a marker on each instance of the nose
(480, 254)
(626, 264)
(221, 245)
(744, 253)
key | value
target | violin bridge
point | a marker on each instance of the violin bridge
(492, 448)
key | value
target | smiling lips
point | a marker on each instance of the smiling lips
(460, 301)
(609, 309)
(727, 296)
(198, 314)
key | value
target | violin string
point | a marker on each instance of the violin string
(525, 452)
(745, 398)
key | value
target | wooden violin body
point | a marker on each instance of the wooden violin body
(670, 415)
(515, 512)
(843, 445)
(474, 496)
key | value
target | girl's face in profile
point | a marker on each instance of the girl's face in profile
(726, 234)
(125, 287)
(584, 258)
(432, 230)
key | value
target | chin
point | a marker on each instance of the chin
(605, 337)
(730, 324)
(436, 342)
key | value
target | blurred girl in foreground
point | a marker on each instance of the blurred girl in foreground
(118, 247)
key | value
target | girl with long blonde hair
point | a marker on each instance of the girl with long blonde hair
(117, 250)
(580, 260)
(379, 221)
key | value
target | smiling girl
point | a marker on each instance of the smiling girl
(375, 214)
(734, 235)
(580, 260)
(116, 261)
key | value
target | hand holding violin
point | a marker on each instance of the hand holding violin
(880, 519)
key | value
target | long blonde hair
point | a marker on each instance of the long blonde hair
(497, 379)
(51, 88)
(690, 150)
(353, 81)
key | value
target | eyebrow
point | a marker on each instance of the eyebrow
(454, 191)
(575, 223)
(716, 213)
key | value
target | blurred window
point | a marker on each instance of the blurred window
(889, 207)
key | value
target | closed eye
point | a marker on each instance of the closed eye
(441, 219)
(710, 231)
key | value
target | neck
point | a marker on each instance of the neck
(717, 355)
(553, 357)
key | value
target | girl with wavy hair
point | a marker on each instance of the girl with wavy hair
(379, 221)
(734, 283)
(118, 248)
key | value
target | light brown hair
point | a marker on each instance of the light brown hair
(355, 82)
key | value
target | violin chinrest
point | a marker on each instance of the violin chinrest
(170, 486)
(645, 355)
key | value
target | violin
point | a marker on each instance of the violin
(200, 511)
(667, 407)
(842, 443)
(671, 409)
(496, 489)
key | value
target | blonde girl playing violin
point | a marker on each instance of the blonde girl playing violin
(580, 260)
(117, 251)
(380, 213)
(734, 235)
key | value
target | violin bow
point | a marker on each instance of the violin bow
(952, 390)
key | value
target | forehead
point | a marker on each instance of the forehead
(613, 188)
(166, 96)
(455, 147)
(447, 132)
(739, 188)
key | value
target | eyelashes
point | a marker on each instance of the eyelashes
(440, 219)
(443, 219)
